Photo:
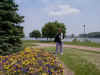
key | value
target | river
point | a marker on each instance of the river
(97, 40)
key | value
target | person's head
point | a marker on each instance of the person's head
(59, 30)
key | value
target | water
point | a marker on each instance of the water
(97, 40)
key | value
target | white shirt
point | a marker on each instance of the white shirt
(62, 36)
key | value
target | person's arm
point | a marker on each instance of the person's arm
(56, 36)
(62, 36)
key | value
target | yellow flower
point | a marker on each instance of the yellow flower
(52, 70)
(6, 66)
(9, 70)
(27, 59)
(60, 65)
(13, 62)
(14, 71)
(46, 63)
(44, 73)
(27, 50)
(33, 58)
(11, 59)
(19, 70)
(26, 62)
(40, 69)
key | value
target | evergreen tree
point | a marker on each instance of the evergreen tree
(10, 30)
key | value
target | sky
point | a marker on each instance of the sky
(73, 13)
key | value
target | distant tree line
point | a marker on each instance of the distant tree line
(91, 35)
(49, 30)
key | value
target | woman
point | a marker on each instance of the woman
(58, 39)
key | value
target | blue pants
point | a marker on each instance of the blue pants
(59, 45)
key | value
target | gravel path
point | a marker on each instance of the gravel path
(70, 46)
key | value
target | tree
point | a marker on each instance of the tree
(35, 33)
(51, 28)
(10, 30)
(72, 36)
(20, 31)
(94, 35)
(83, 35)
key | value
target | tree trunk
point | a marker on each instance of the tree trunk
(47, 38)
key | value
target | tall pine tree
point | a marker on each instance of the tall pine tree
(10, 30)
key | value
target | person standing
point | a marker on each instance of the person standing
(58, 39)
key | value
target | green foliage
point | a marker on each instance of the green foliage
(20, 31)
(10, 31)
(75, 40)
(35, 34)
(51, 28)
(83, 35)
(94, 34)
(91, 35)
(85, 43)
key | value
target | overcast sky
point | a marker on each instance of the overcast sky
(73, 13)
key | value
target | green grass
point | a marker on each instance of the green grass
(29, 43)
(89, 44)
(79, 61)
(36, 41)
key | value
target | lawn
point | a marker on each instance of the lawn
(90, 44)
(29, 43)
(79, 61)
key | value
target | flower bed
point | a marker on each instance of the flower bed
(30, 62)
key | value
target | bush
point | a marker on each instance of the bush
(75, 40)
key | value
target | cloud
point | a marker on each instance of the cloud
(62, 10)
